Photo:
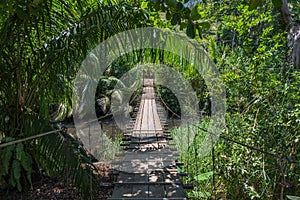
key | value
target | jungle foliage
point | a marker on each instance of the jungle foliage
(42, 44)
(251, 48)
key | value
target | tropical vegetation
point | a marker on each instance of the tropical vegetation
(255, 45)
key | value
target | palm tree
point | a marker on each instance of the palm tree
(41, 46)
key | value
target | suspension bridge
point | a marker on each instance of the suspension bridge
(147, 168)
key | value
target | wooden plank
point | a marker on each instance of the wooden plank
(156, 190)
(140, 190)
(125, 177)
(138, 122)
(161, 152)
(148, 183)
(151, 171)
(146, 120)
(141, 165)
(173, 190)
(123, 190)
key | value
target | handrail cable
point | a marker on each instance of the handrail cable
(287, 158)
(102, 117)
(168, 107)
(29, 138)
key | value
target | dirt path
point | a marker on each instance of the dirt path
(55, 188)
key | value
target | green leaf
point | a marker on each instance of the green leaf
(26, 162)
(183, 25)
(203, 176)
(293, 197)
(171, 3)
(254, 4)
(185, 13)
(175, 19)
(6, 155)
(16, 167)
(19, 186)
(179, 6)
(204, 25)
(19, 151)
(144, 5)
(195, 13)
(168, 15)
(8, 139)
(190, 30)
(203, 194)
(12, 181)
(212, 46)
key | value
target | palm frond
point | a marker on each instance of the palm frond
(61, 154)
(42, 44)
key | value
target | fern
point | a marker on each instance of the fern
(6, 156)
(54, 41)
(16, 167)
(58, 154)
(16, 162)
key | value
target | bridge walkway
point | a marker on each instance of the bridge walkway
(147, 168)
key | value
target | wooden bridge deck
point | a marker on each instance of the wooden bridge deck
(147, 123)
(147, 168)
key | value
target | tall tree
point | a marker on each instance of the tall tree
(292, 25)
(294, 32)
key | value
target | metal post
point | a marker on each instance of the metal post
(91, 175)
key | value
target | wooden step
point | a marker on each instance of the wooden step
(147, 167)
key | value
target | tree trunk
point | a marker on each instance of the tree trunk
(296, 47)
(294, 33)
